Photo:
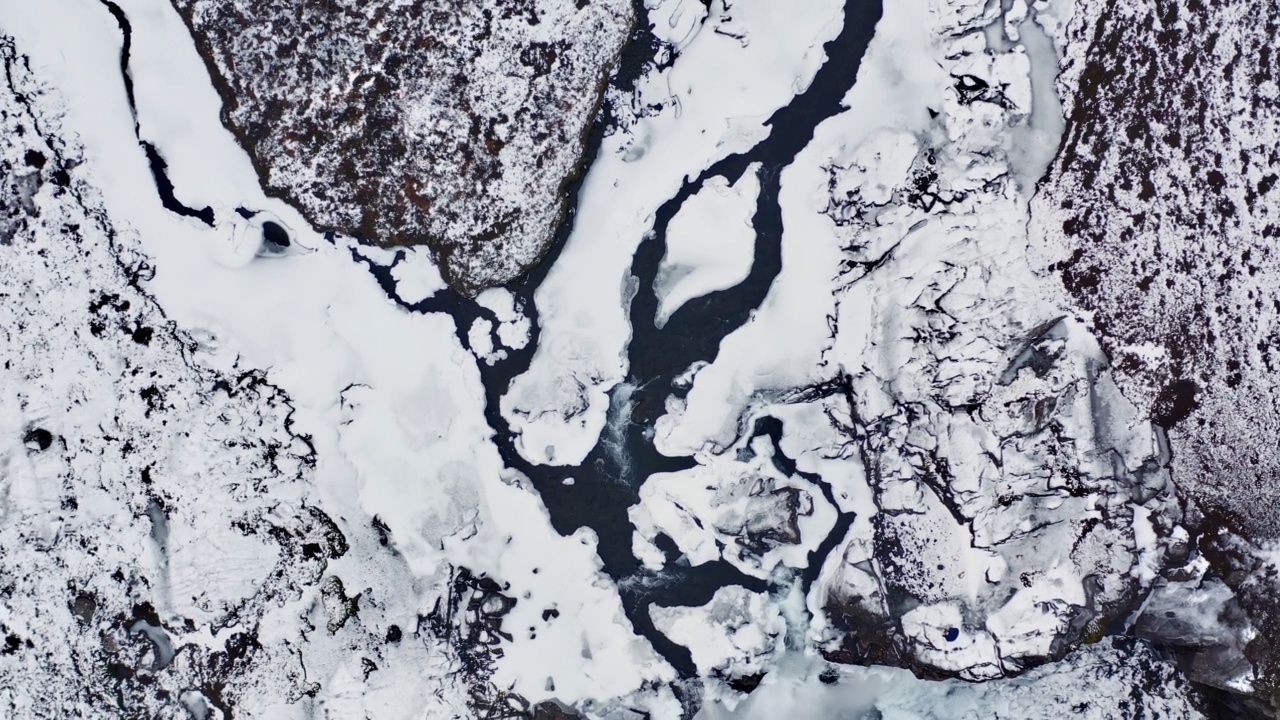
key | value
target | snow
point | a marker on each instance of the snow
(905, 279)
(417, 276)
(738, 68)
(513, 325)
(710, 242)
(319, 475)
(783, 344)
(162, 489)
(738, 634)
(390, 400)
(747, 513)
(480, 340)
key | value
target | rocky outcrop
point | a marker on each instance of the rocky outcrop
(1159, 218)
(456, 125)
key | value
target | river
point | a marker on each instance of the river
(607, 482)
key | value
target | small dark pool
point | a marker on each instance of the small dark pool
(274, 234)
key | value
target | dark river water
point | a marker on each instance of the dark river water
(606, 484)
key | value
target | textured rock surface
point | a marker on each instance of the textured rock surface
(1160, 216)
(456, 125)
(1162, 204)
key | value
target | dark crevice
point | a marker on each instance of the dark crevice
(164, 187)
(159, 173)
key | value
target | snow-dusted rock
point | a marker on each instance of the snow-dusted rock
(452, 125)
(1157, 218)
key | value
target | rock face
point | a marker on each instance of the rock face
(1163, 201)
(1160, 212)
(456, 125)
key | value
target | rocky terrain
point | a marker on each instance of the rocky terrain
(457, 126)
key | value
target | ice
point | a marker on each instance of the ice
(480, 340)
(905, 292)
(1036, 143)
(737, 635)
(513, 325)
(783, 344)
(748, 512)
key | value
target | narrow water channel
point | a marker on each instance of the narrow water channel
(606, 484)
